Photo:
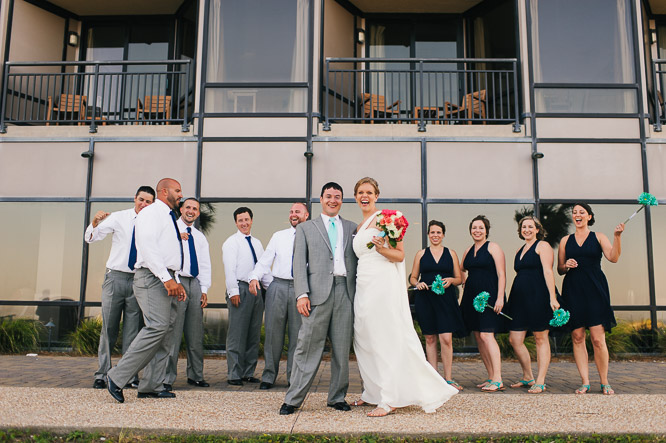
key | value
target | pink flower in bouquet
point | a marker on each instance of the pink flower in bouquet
(391, 224)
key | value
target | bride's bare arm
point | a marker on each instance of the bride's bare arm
(392, 254)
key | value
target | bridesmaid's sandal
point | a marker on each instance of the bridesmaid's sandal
(537, 389)
(493, 386)
(607, 390)
(523, 384)
(584, 389)
(455, 385)
(380, 412)
(484, 384)
(358, 402)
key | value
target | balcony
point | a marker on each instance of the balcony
(421, 92)
(97, 93)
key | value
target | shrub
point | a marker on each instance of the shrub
(85, 339)
(19, 335)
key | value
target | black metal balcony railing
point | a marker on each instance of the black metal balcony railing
(658, 83)
(421, 91)
(96, 93)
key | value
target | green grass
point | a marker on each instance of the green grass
(20, 435)
(19, 335)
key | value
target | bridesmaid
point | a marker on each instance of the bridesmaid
(486, 271)
(532, 301)
(438, 315)
(585, 291)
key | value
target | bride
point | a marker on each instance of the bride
(390, 356)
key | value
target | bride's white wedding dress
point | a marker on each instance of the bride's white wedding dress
(390, 357)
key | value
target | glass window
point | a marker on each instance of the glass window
(254, 100)
(42, 259)
(583, 42)
(258, 41)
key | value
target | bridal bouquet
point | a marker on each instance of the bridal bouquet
(481, 303)
(391, 224)
(560, 318)
(645, 199)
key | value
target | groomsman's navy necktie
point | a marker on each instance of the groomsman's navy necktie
(254, 254)
(132, 256)
(180, 240)
(194, 263)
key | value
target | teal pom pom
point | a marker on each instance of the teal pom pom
(438, 286)
(560, 318)
(481, 301)
(647, 199)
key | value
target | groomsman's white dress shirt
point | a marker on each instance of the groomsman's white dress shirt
(238, 261)
(203, 256)
(278, 254)
(157, 242)
(121, 225)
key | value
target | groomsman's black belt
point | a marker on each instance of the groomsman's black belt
(340, 279)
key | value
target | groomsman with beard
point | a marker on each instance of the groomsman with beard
(280, 298)
(117, 293)
(240, 252)
(196, 279)
(157, 290)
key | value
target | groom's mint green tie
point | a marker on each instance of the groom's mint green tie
(332, 234)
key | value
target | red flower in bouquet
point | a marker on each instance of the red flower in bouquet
(391, 224)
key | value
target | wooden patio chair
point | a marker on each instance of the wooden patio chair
(67, 107)
(153, 107)
(473, 105)
(374, 106)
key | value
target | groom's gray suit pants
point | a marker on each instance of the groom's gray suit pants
(333, 318)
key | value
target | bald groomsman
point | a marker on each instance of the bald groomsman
(280, 298)
(157, 290)
(195, 278)
(240, 253)
(117, 294)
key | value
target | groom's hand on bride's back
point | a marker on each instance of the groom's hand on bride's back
(303, 306)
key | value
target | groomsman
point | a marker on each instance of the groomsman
(195, 278)
(157, 290)
(240, 252)
(280, 297)
(117, 294)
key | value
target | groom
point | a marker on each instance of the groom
(324, 269)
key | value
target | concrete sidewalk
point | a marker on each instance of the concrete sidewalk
(54, 392)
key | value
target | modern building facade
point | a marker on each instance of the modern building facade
(456, 107)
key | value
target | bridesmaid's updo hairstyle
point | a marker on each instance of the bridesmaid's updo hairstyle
(485, 221)
(365, 180)
(432, 223)
(588, 209)
(540, 235)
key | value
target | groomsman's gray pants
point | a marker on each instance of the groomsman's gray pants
(280, 312)
(117, 299)
(150, 348)
(333, 318)
(189, 319)
(244, 333)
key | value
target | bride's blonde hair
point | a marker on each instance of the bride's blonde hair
(365, 180)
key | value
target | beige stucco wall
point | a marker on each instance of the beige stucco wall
(590, 171)
(253, 169)
(120, 168)
(656, 165)
(255, 126)
(37, 35)
(43, 169)
(395, 165)
(622, 128)
(479, 170)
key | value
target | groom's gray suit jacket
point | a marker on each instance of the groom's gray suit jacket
(313, 260)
